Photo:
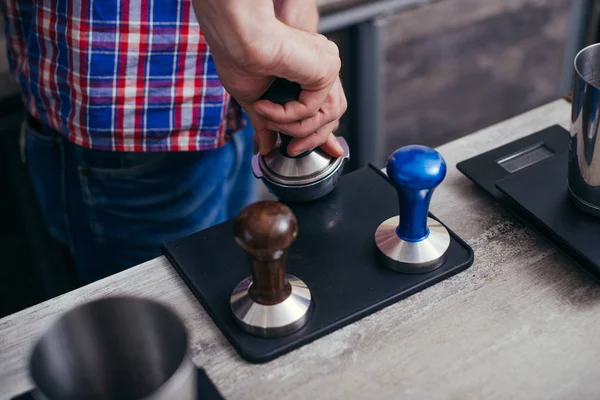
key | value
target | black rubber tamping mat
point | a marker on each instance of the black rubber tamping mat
(334, 254)
(540, 194)
(206, 389)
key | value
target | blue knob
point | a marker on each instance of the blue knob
(415, 171)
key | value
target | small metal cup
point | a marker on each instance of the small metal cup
(114, 348)
(584, 146)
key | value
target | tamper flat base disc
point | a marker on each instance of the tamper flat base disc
(271, 320)
(412, 257)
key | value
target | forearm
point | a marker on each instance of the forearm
(235, 25)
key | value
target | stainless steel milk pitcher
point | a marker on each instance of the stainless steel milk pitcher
(115, 348)
(584, 151)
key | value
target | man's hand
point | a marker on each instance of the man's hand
(251, 46)
(304, 15)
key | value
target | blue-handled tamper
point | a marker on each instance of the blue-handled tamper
(411, 242)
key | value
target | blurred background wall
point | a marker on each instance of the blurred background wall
(415, 71)
(447, 68)
(456, 66)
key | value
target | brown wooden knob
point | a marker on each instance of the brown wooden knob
(265, 230)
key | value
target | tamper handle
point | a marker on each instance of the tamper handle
(415, 171)
(281, 92)
(265, 230)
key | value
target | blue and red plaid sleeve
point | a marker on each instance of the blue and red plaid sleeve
(120, 75)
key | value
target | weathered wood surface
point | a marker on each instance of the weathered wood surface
(521, 323)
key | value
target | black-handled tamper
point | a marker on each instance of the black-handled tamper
(413, 242)
(281, 92)
(304, 177)
(270, 302)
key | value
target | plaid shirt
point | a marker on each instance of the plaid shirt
(120, 75)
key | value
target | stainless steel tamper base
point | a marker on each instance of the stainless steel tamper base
(271, 320)
(303, 179)
(412, 257)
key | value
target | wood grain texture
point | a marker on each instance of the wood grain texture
(266, 230)
(521, 323)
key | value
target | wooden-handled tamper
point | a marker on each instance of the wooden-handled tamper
(271, 302)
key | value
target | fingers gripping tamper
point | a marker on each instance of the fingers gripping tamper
(304, 177)
(269, 303)
(412, 242)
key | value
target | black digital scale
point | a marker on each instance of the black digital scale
(529, 176)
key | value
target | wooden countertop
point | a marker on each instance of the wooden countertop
(521, 323)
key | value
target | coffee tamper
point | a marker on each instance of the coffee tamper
(412, 242)
(269, 303)
(304, 177)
